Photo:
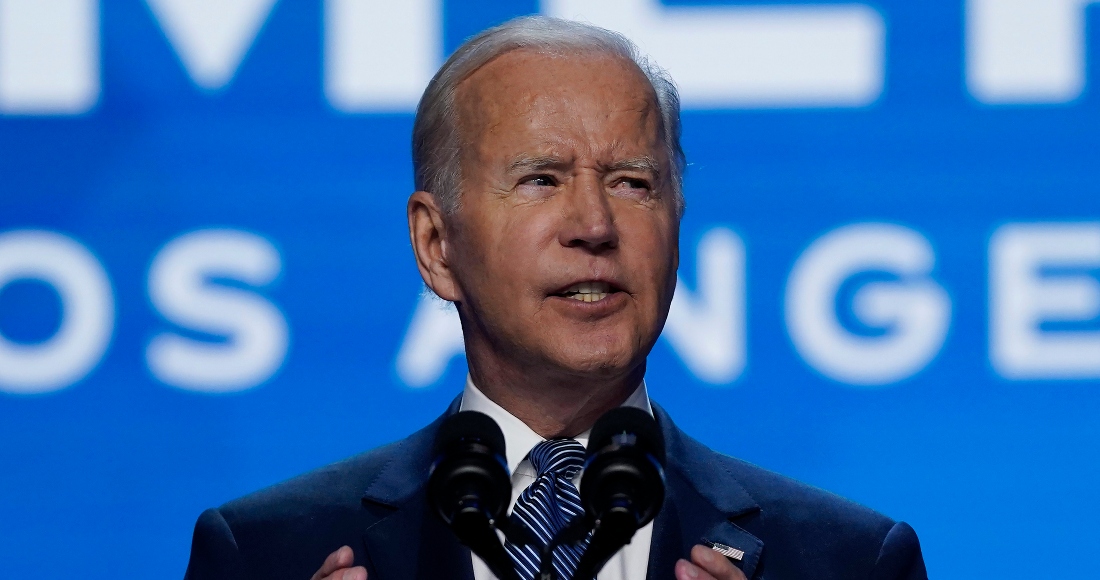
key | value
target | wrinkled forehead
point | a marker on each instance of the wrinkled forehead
(583, 93)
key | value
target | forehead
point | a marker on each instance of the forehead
(523, 97)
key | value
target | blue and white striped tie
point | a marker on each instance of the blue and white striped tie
(547, 505)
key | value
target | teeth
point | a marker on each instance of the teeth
(592, 297)
(588, 291)
(589, 288)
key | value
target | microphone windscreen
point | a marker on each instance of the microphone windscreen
(469, 426)
(628, 420)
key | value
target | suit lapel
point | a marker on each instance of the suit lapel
(405, 540)
(701, 503)
(411, 543)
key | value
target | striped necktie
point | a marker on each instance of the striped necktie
(547, 505)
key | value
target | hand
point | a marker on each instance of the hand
(706, 564)
(338, 567)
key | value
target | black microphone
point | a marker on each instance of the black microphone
(623, 486)
(469, 487)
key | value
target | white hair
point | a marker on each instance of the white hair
(436, 142)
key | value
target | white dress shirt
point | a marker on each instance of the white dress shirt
(631, 562)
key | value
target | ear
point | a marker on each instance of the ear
(428, 234)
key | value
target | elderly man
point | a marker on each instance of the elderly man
(548, 165)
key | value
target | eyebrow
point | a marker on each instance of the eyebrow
(539, 163)
(644, 163)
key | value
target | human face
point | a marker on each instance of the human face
(564, 246)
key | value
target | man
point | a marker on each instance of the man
(548, 167)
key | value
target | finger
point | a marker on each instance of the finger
(356, 573)
(687, 571)
(341, 558)
(715, 564)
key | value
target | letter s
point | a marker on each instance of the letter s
(181, 290)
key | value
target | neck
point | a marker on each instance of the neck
(555, 404)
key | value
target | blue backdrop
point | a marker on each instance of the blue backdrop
(889, 285)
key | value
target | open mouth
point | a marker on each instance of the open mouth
(588, 291)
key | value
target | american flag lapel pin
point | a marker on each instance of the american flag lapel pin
(727, 551)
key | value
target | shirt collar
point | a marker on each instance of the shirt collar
(519, 439)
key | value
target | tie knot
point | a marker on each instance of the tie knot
(561, 457)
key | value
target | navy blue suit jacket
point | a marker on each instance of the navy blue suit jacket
(375, 503)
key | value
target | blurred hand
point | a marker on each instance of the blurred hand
(338, 567)
(706, 564)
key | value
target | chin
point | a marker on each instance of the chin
(599, 361)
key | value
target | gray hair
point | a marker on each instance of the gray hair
(436, 143)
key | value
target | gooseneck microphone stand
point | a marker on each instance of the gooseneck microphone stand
(622, 489)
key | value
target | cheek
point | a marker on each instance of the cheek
(510, 255)
(652, 249)
(525, 236)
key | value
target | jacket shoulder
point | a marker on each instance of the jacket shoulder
(333, 486)
(777, 496)
(801, 504)
(805, 530)
(386, 471)
(287, 530)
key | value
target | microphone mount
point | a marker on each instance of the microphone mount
(469, 488)
(623, 484)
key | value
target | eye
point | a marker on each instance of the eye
(539, 181)
(632, 186)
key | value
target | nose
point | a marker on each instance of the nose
(589, 222)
